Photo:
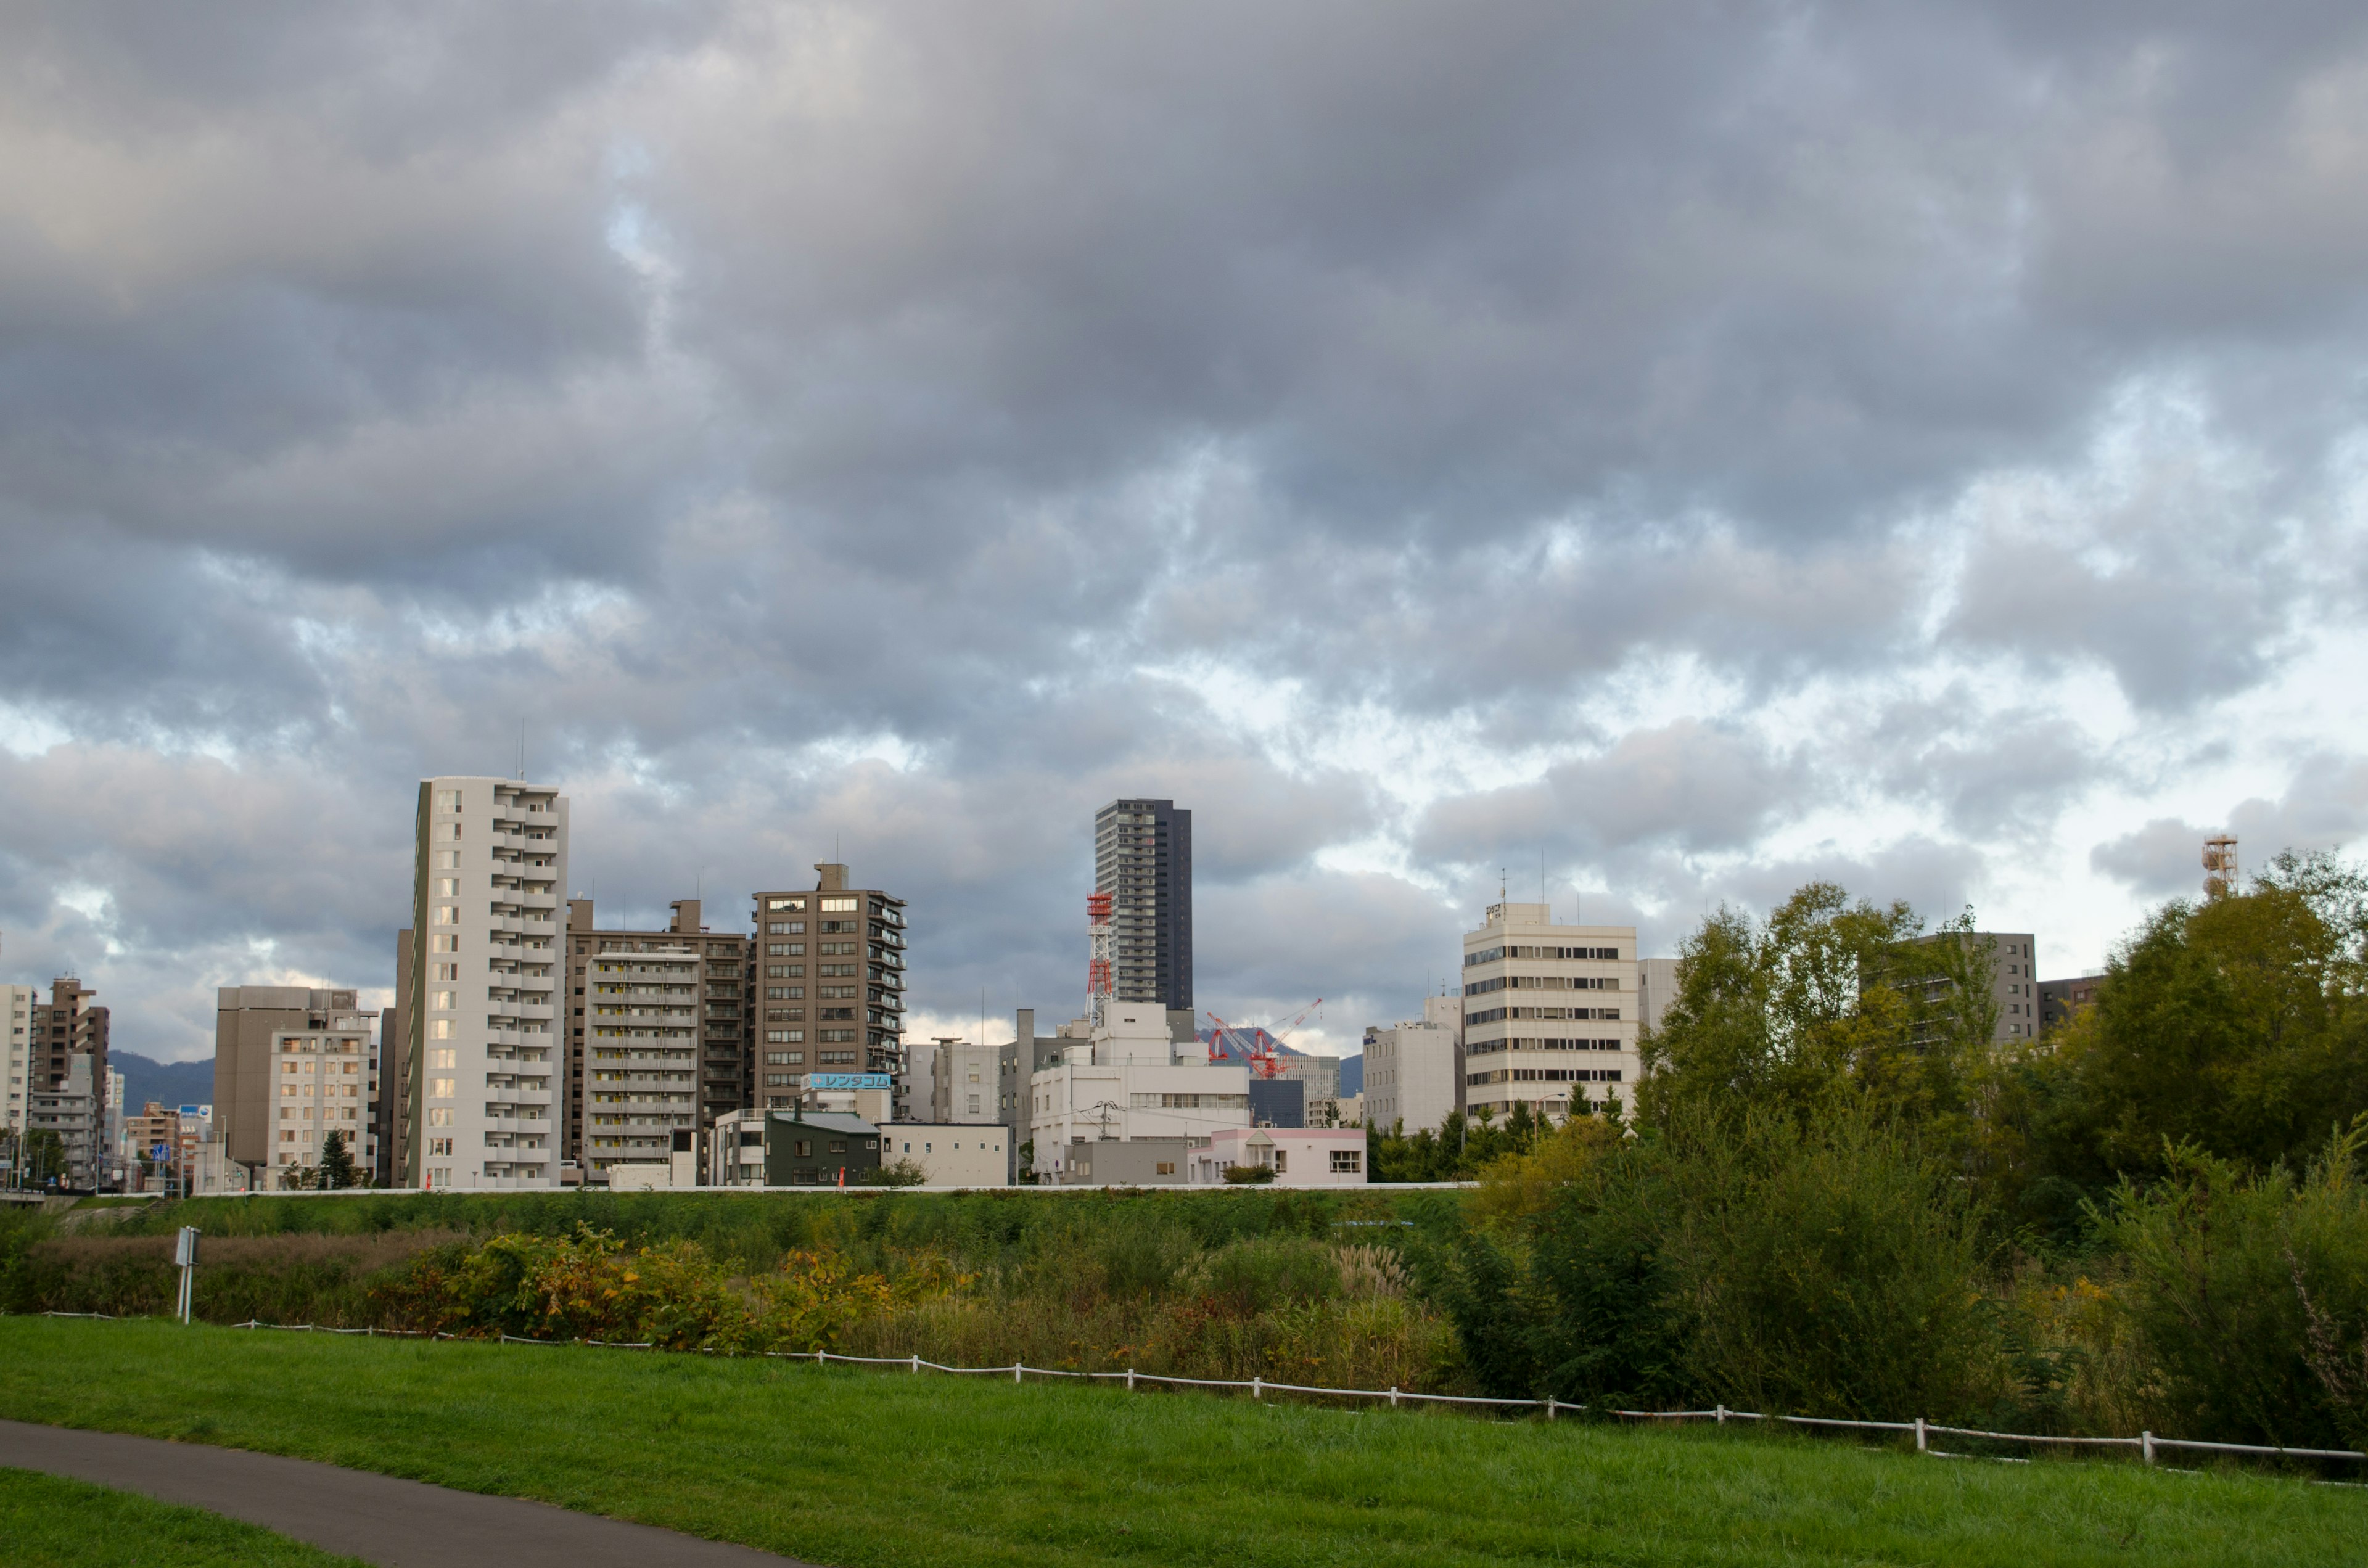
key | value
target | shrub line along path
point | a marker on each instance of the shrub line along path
(379, 1518)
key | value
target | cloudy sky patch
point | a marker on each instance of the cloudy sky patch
(1652, 455)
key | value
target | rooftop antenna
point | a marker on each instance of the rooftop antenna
(521, 751)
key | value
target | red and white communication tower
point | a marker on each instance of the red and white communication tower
(2220, 877)
(1097, 968)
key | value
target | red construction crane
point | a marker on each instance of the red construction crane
(1259, 1044)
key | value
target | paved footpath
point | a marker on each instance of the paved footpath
(402, 1524)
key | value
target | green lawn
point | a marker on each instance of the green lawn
(47, 1522)
(858, 1468)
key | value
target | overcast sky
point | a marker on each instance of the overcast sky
(1664, 452)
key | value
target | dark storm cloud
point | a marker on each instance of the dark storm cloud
(918, 424)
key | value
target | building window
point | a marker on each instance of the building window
(841, 905)
(1164, 1167)
(778, 904)
(785, 1059)
(440, 1088)
(785, 1037)
(1348, 1162)
(785, 928)
(802, 1149)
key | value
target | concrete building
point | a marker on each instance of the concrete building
(1413, 1070)
(1657, 987)
(212, 1173)
(16, 1074)
(1129, 1080)
(319, 1082)
(1299, 1156)
(831, 969)
(1143, 859)
(701, 1062)
(2014, 982)
(390, 1111)
(1134, 1162)
(961, 1153)
(2059, 1000)
(791, 1148)
(68, 1025)
(1549, 1013)
(484, 1003)
(252, 1024)
(70, 1107)
(150, 1146)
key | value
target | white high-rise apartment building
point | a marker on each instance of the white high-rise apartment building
(485, 1008)
(1549, 1013)
(16, 1055)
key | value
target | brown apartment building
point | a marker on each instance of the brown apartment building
(65, 1027)
(657, 1032)
(830, 985)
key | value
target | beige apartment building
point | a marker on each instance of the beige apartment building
(694, 985)
(274, 1097)
(1549, 1013)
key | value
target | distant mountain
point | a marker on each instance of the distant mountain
(1352, 1075)
(167, 1083)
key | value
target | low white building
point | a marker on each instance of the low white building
(1299, 1156)
(1131, 1079)
(951, 1154)
(1413, 1070)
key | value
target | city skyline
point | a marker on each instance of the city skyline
(1922, 453)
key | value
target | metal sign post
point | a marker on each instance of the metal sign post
(184, 1253)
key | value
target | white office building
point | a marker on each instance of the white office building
(1131, 1079)
(485, 1005)
(16, 1056)
(1413, 1070)
(1549, 1013)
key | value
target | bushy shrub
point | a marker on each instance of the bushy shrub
(2249, 1294)
(1747, 1262)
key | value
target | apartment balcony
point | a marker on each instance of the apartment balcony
(512, 1115)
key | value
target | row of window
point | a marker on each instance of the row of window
(1544, 982)
(1592, 955)
(1493, 1015)
(1544, 1075)
(1547, 1043)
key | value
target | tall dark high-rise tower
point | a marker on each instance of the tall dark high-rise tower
(1143, 859)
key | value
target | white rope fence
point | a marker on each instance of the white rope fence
(2146, 1443)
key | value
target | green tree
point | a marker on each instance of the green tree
(1830, 1003)
(45, 1156)
(336, 1164)
(2236, 1027)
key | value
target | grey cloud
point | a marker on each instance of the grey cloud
(2325, 807)
(1689, 784)
(818, 419)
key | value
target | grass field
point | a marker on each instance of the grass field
(858, 1468)
(48, 1522)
